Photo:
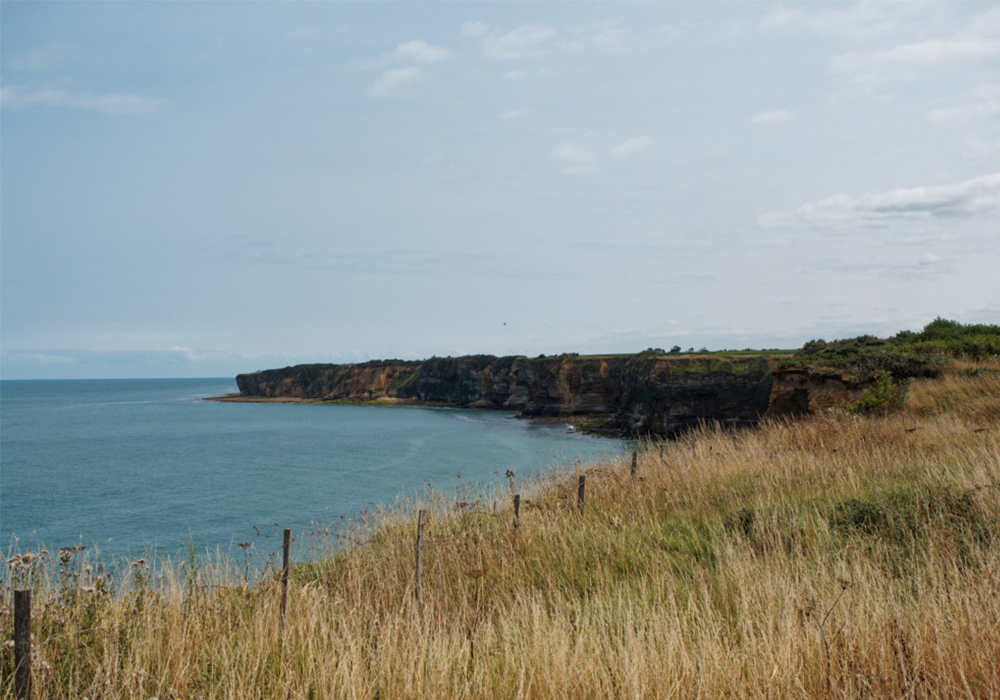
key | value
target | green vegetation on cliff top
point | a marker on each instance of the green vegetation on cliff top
(906, 354)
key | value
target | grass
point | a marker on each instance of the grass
(830, 557)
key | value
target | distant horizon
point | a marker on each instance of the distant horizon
(113, 379)
(695, 347)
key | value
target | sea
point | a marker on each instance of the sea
(133, 468)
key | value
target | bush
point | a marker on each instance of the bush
(813, 347)
(886, 394)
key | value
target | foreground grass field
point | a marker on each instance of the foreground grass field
(831, 557)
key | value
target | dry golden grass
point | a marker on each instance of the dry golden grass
(834, 557)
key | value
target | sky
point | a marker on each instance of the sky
(202, 189)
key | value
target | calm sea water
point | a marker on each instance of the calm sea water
(130, 465)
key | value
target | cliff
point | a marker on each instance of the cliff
(651, 392)
(800, 390)
(627, 394)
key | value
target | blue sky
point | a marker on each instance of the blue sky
(201, 189)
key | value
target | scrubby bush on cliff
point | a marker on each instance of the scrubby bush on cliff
(975, 341)
(907, 354)
(884, 396)
(813, 346)
(899, 364)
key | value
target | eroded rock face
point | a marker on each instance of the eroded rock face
(664, 396)
(637, 394)
(796, 392)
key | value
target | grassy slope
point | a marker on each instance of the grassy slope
(830, 557)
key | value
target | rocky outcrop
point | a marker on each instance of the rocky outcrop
(798, 391)
(633, 394)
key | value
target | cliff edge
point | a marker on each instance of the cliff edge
(652, 392)
(631, 394)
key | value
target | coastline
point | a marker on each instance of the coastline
(239, 398)
(587, 424)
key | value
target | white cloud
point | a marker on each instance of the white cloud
(573, 153)
(631, 146)
(986, 24)
(673, 32)
(419, 51)
(517, 43)
(980, 149)
(865, 20)
(984, 104)
(928, 259)
(773, 117)
(965, 113)
(114, 103)
(611, 36)
(872, 68)
(39, 358)
(473, 28)
(575, 157)
(513, 114)
(38, 59)
(921, 53)
(393, 82)
(976, 197)
(595, 34)
(514, 75)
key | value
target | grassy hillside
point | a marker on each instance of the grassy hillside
(835, 556)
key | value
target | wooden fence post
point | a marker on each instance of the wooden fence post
(286, 568)
(634, 459)
(580, 493)
(517, 510)
(421, 520)
(22, 644)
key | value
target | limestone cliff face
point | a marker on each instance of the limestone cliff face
(799, 391)
(636, 394)
(663, 395)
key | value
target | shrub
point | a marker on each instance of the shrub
(886, 394)
(813, 347)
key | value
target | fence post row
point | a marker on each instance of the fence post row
(517, 510)
(22, 644)
(421, 519)
(634, 459)
(286, 567)
(580, 494)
